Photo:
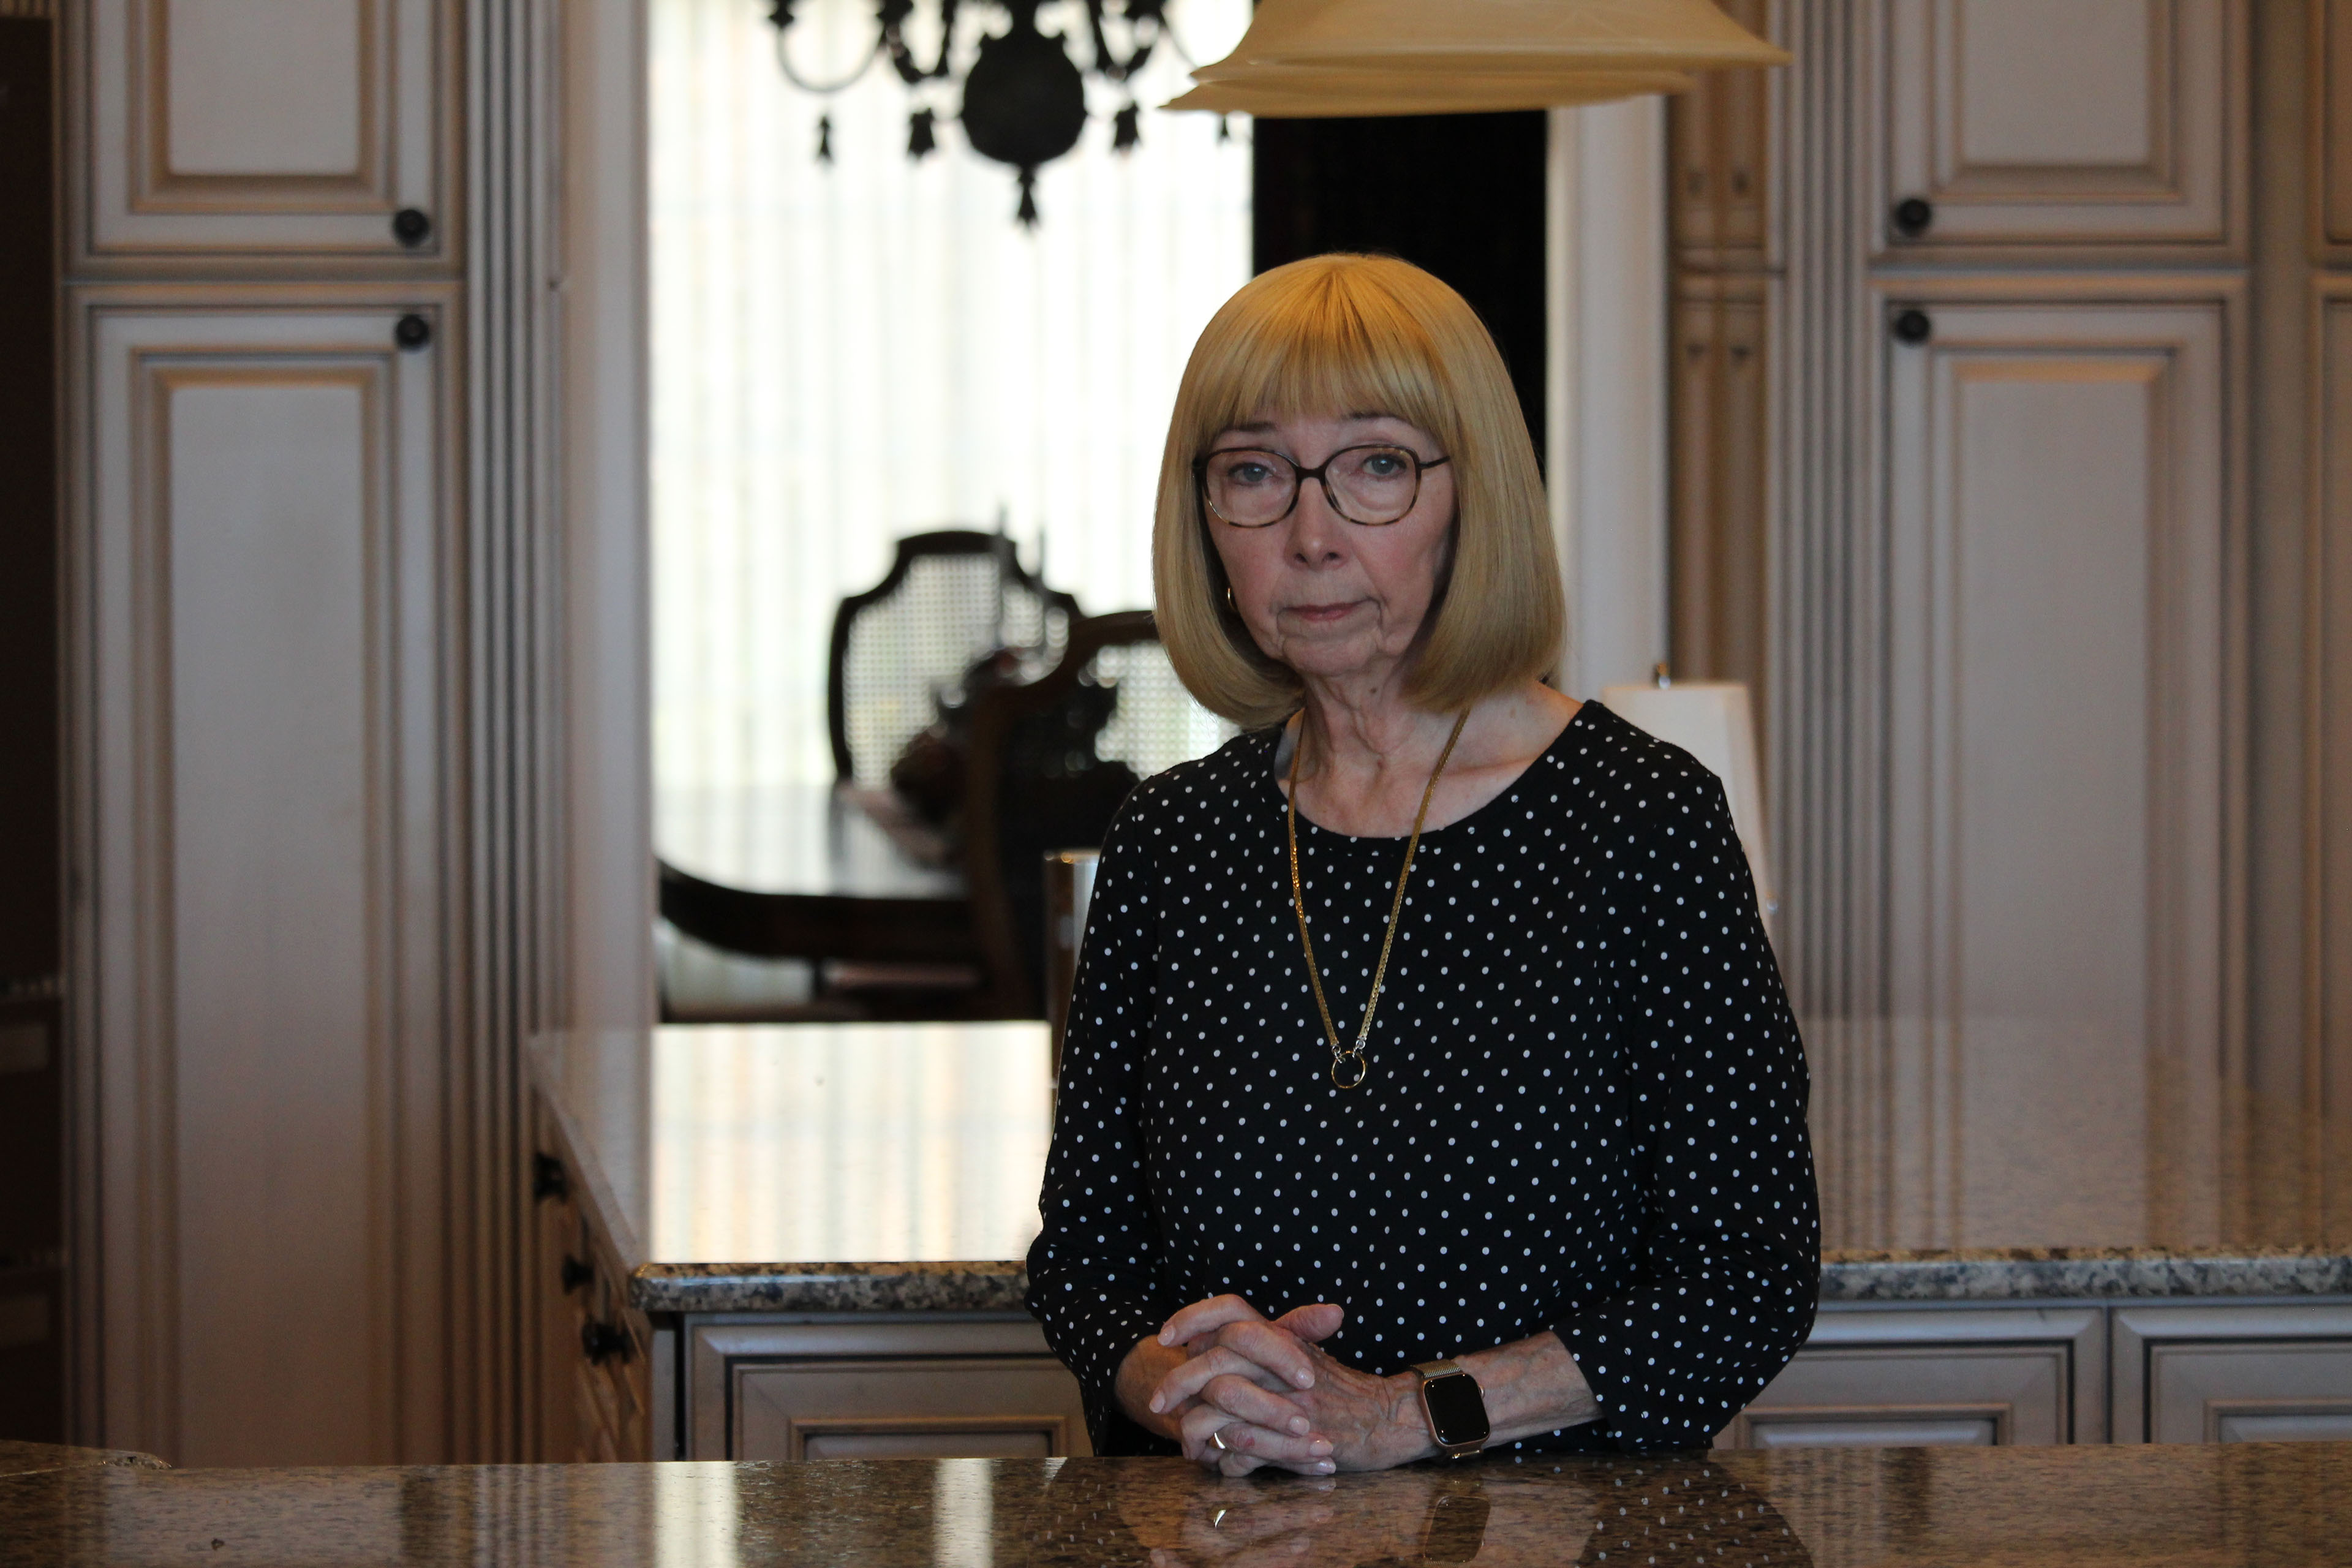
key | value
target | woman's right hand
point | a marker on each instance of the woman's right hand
(1217, 1377)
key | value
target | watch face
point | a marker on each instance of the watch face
(1457, 1411)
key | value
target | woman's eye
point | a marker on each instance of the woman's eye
(1249, 473)
(1385, 465)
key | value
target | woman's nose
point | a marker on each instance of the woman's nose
(1316, 530)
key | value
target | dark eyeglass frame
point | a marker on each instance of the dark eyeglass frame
(1320, 474)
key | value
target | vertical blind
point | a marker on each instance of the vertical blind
(845, 353)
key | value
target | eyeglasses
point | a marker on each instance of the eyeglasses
(1251, 487)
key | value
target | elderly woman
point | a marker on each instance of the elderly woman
(1430, 1084)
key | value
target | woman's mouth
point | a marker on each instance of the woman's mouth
(1322, 614)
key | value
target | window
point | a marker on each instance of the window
(845, 353)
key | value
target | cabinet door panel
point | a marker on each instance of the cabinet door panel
(261, 652)
(2255, 1374)
(1008, 1408)
(2094, 123)
(2331, 125)
(1900, 1397)
(879, 1386)
(264, 129)
(2057, 514)
(1882, 1378)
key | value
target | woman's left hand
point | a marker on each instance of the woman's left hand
(1371, 1423)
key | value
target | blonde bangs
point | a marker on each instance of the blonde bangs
(1362, 334)
(1326, 349)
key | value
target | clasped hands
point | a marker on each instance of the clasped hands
(1242, 1393)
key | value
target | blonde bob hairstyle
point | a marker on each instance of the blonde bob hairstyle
(1348, 334)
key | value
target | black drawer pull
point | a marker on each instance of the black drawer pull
(601, 1342)
(1912, 216)
(548, 1179)
(412, 227)
(1912, 326)
(575, 1272)
(412, 331)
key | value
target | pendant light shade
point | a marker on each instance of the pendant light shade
(1534, 37)
(1315, 58)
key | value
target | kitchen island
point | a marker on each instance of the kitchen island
(2258, 1505)
(804, 1241)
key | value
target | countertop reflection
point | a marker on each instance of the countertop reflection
(2148, 1506)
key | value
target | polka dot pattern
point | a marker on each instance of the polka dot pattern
(1585, 1112)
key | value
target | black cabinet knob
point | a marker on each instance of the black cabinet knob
(575, 1272)
(548, 1179)
(412, 227)
(1912, 326)
(1912, 216)
(412, 331)
(602, 1341)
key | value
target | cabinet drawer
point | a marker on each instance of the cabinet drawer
(1913, 1379)
(877, 1388)
(1005, 1408)
(2234, 1374)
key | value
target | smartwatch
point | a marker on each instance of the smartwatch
(1455, 1408)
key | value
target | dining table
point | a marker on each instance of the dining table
(810, 870)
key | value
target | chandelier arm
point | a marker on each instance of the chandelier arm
(784, 60)
(911, 70)
(1106, 59)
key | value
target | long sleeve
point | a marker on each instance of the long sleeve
(1730, 1273)
(1095, 1270)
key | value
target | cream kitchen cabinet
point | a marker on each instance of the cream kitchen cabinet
(878, 1389)
(2235, 1374)
(245, 134)
(2057, 744)
(2107, 128)
(263, 541)
(1911, 1377)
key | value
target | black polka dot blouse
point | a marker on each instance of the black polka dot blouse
(1585, 1109)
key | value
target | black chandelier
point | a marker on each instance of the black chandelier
(1025, 100)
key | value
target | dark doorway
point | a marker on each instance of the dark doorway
(1461, 195)
(32, 1047)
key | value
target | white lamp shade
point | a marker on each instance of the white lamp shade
(1499, 35)
(1284, 92)
(1710, 720)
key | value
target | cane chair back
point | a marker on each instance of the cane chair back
(950, 598)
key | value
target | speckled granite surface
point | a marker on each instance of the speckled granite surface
(2277, 1505)
(29, 1459)
(2044, 1273)
(873, 1168)
(944, 1287)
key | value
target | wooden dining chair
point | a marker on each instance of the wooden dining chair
(950, 598)
(1051, 761)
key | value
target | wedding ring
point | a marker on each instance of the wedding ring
(1217, 1441)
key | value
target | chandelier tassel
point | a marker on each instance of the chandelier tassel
(1028, 213)
(1126, 133)
(923, 135)
(824, 137)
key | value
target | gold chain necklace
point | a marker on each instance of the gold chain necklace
(1340, 1074)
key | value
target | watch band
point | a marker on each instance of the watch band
(1455, 1406)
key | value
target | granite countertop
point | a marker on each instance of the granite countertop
(869, 1167)
(2250, 1504)
(816, 1167)
(18, 1458)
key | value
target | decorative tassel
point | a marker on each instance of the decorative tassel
(1028, 214)
(923, 139)
(824, 139)
(1126, 135)
(1224, 129)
